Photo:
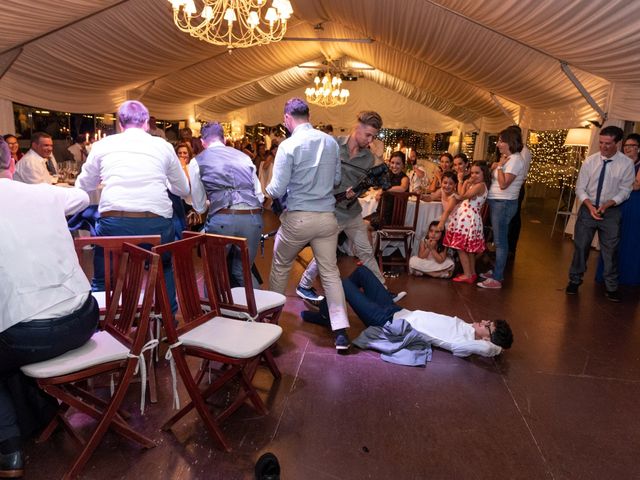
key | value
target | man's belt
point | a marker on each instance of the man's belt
(120, 213)
(237, 211)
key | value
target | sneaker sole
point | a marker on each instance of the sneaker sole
(311, 299)
(343, 347)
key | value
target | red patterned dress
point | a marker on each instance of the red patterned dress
(465, 229)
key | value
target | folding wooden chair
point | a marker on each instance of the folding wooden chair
(236, 344)
(394, 226)
(119, 348)
(239, 302)
(112, 247)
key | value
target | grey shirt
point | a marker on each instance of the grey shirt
(364, 159)
(307, 168)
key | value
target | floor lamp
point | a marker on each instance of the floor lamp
(578, 139)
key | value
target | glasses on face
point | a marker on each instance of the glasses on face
(488, 325)
(626, 145)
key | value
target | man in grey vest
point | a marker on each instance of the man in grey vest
(227, 178)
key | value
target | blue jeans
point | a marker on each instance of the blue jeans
(368, 298)
(122, 226)
(502, 211)
(233, 225)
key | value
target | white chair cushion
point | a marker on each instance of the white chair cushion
(101, 348)
(101, 298)
(234, 338)
(265, 300)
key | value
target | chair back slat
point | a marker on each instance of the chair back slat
(185, 255)
(112, 247)
(137, 275)
(217, 249)
(396, 203)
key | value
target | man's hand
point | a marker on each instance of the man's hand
(349, 193)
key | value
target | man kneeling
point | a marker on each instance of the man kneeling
(375, 307)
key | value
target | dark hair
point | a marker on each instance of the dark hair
(370, 118)
(631, 136)
(486, 173)
(297, 108)
(502, 335)
(513, 138)
(80, 138)
(463, 157)
(446, 154)
(400, 155)
(440, 245)
(450, 175)
(612, 131)
(212, 130)
(37, 136)
(8, 136)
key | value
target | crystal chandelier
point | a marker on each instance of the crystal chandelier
(327, 91)
(232, 23)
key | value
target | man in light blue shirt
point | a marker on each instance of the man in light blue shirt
(306, 168)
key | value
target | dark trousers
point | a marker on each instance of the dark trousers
(368, 298)
(36, 341)
(244, 226)
(516, 224)
(123, 226)
(609, 236)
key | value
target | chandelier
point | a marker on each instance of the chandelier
(232, 23)
(327, 91)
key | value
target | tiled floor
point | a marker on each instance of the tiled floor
(561, 404)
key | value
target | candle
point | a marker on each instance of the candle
(86, 137)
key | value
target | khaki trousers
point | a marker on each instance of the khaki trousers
(356, 231)
(320, 229)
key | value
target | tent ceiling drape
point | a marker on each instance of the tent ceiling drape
(440, 60)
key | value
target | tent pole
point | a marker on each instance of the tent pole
(10, 64)
(502, 108)
(583, 91)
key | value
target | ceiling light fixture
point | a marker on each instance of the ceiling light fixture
(327, 91)
(232, 23)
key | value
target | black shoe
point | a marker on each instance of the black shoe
(342, 340)
(314, 317)
(572, 288)
(11, 465)
(613, 296)
(267, 467)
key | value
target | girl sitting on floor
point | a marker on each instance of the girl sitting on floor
(465, 229)
(432, 258)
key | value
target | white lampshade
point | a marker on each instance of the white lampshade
(578, 137)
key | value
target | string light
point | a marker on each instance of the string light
(552, 164)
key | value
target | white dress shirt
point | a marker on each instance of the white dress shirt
(618, 179)
(135, 169)
(32, 168)
(39, 270)
(450, 333)
(198, 192)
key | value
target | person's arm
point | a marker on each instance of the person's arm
(198, 193)
(483, 348)
(451, 203)
(636, 182)
(5, 154)
(257, 186)
(75, 200)
(423, 251)
(472, 191)
(282, 167)
(439, 257)
(626, 186)
(89, 177)
(435, 182)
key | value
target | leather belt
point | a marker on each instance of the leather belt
(120, 213)
(237, 211)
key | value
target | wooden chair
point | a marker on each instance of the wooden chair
(119, 348)
(394, 226)
(236, 344)
(112, 247)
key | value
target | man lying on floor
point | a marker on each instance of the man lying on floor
(375, 307)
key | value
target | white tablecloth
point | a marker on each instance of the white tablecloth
(429, 212)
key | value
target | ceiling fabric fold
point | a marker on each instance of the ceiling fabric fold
(447, 56)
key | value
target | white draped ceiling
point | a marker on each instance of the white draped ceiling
(437, 64)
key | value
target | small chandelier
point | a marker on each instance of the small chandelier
(327, 91)
(232, 23)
